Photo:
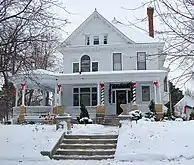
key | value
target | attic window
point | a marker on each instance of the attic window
(87, 40)
(96, 40)
(105, 39)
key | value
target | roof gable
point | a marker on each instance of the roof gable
(128, 34)
(94, 16)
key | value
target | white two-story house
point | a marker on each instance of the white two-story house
(107, 55)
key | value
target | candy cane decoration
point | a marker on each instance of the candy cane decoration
(102, 93)
(134, 92)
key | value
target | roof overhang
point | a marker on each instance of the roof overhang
(50, 79)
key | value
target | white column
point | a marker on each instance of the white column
(44, 98)
(55, 101)
(60, 98)
(16, 96)
(23, 95)
(159, 94)
(98, 94)
(155, 91)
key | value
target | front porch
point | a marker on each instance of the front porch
(106, 89)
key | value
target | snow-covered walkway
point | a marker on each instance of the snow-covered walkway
(146, 143)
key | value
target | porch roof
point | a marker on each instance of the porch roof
(47, 79)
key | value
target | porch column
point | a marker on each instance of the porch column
(55, 96)
(155, 90)
(16, 96)
(98, 94)
(23, 87)
(59, 93)
(44, 97)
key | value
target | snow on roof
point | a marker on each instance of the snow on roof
(186, 100)
(133, 33)
(50, 73)
(189, 100)
(37, 72)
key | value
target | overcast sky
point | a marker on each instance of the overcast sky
(81, 9)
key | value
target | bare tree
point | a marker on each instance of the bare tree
(177, 19)
(29, 33)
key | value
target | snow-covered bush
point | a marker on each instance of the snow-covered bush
(135, 114)
(84, 116)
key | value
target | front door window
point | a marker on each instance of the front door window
(120, 99)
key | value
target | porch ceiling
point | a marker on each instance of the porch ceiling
(44, 79)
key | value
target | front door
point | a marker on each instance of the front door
(120, 99)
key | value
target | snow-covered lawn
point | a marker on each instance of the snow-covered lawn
(146, 143)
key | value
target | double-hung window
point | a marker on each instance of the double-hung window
(117, 61)
(141, 60)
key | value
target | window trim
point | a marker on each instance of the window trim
(113, 61)
(79, 94)
(78, 67)
(86, 40)
(105, 35)
(142, 92)
(141, 62)
(98, 39)
(92, 65)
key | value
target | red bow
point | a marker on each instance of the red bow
(133, 84)
(59, 87)
(156, 83)
(23, 85)
(101, 85)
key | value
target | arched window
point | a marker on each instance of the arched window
(85, 63)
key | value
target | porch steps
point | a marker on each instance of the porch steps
(86, 147)
(112, 120)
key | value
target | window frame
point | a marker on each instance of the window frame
(82, 63)
(121, 61)
(94, 40)
(97, 66)
(142, 99)
(73, 66)
(140, 62)
(105, 39)
(87, 39)
(91, 94)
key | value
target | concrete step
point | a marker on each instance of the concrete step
(91, 136)
(87, 146)
(78, 157)
(89, 152)
(89, 141)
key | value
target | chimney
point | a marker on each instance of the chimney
(150, 13)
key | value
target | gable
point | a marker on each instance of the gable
(96, 25)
